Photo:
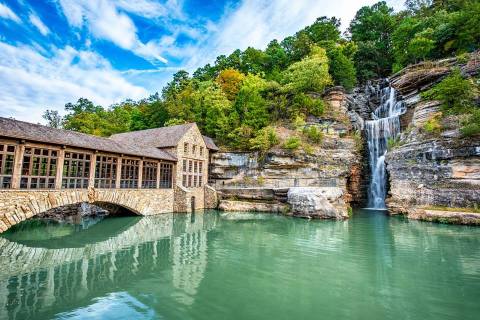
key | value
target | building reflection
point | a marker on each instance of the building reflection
(39, 282)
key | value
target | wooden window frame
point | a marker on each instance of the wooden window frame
(31, 175)
(76, 170)
(7, 156)
(166, 175)
(129, 173)
(149, 175)
(106, 171)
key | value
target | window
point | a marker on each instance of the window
(185, 148)
(190, 181)
(200, 178)
(201, 151)
(190, 165)
(194, 149)
(7, 155)
(39, 168)
(105, 172)
(166, 175)
(184, 180)
(200, 167)
(76, 170)
(129, 174)
(195, 164)
(184, 165)
(195, 181)
(149, 175)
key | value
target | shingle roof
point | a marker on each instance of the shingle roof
(35, 132)
(210, 144)
(160, 137)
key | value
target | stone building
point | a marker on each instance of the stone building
(146, 172)
(191, 149)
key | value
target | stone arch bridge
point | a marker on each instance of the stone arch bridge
(19, 205)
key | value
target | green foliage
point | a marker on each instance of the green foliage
(264, 140)
(471, 123)
(310, 74)
(174, 122)
(342, 69)
(433, 124)
(313, 134)
(392, 143)
(304, 104)
(454, 92)
(372, 30)
(292, 143)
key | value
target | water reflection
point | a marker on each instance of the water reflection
(246, 266)
(34, 279)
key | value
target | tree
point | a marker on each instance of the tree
(276, 58)
(53, 118)
(310, 74)
(324, 29)
(230, 80)
(372, 29)
(250, 105)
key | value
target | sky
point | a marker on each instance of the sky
(55, 51)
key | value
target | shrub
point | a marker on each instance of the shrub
(313, 134)
(298, 121)
(433, 124)
(454, 92)
(392, 143)
(265, 139)
(292, 143)
(471, 124)
(308, 149)
(302, 103)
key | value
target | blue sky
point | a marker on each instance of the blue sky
(56, 51)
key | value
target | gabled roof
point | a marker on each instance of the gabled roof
(11, 128)
(159, 137)
(164, 137)
(210, 143)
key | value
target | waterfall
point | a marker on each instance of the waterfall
(384, 126)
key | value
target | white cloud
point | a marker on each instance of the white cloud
(31, 82)
(254, 23)
(106, 21)
(7, 13)
(35, 20)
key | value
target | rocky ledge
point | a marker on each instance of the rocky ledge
(322, 203)
(433, 170)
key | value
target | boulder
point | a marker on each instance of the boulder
(318, 202)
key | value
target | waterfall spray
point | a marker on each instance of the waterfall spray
(384, 126)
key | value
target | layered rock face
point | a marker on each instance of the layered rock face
(335, 163)
(428, 170)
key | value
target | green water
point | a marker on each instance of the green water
(241, 266)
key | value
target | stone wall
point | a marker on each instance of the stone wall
(19, 205)
(181, 201)
(211, 198)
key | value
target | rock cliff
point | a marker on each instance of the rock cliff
(428, 172)
(336, 162)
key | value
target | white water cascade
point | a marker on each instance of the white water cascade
(384, 126)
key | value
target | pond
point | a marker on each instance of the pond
(240, 266)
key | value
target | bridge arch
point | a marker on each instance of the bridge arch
(19, 205)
